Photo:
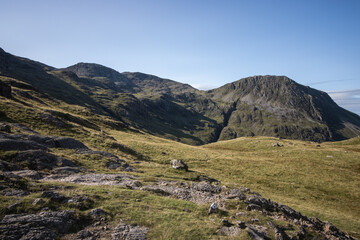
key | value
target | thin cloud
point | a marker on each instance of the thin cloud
(334, 80)
(348, 99)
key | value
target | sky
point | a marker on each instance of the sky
(204, 43)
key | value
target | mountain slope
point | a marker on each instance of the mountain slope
(255, 106)
(278, 106)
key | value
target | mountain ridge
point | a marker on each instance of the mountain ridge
(253, 106)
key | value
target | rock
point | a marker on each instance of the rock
(38, 201)
(277, 145)
(12, 207)
(279, 233)
(5, 127)
(80, 202)
(97, 214)
(119, 163)
(27, 174)
(213, 208)
(14, 192)
(45, 225)
(84, 234)
(65, 170)
(230, 231)
(289, 212)
(261, 202)
(156, 190)
(226, 223)
(8, 166)
(92, 179)
(24, 128)
(18, 145)
(206, 187)
(5, 90)
(240, 214)
(53, 196)
(257, 232)
(40, 159)
(252, 207)
(241, 224)
(67, 142)
(178, 165)
(236, 193)
(127, 232)
(57, 142)
(48, 118)
(113, 161)
(131, 184)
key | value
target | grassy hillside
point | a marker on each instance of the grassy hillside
(319, 180)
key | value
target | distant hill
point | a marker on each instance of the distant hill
(256, 106)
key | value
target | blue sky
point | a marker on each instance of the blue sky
(204, 43)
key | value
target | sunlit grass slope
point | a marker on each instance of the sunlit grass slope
(321, 180)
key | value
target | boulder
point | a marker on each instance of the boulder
(178, 165)
(213, 208)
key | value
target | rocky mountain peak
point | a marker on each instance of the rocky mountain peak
(91, 70)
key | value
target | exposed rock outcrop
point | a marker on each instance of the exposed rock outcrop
(45, 225)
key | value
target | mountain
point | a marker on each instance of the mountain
(255, 106)
(278, 106)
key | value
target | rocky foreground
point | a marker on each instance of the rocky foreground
(32, 162)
